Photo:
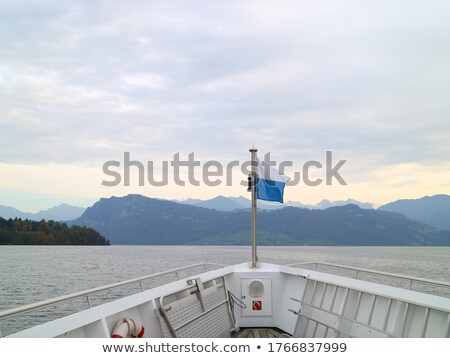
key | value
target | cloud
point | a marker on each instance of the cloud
(82, 82)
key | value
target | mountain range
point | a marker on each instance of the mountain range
(63, 212)
(223, 203)
(433, 210)
(139, 220)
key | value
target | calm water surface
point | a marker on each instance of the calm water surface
(33, 273)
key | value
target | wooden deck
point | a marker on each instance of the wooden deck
(261, 333)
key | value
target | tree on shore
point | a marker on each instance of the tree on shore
(27, 232)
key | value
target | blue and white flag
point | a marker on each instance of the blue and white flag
(270, 183)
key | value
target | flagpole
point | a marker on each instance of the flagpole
(253, 187)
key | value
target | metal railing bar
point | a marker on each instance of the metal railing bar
(381, 273)
(355, 321)
(358, 303)
(344, 301)
(388, 313)
(86, 293)
(425, 322)
(447, 333)
(405, 318)
(334, 297)
(372, 308)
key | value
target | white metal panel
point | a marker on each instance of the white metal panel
(259, 304)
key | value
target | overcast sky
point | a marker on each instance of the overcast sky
(82, 82)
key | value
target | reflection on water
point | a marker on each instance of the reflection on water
(33, 273)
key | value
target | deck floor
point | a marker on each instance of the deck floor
(261, 333)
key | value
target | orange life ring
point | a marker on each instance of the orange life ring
(127, 328)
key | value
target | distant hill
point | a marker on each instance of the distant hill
(433, 210)
(325, 204)
(135, 219)
(63, 212)
(218, 203)
(8, 212)
(238, 203)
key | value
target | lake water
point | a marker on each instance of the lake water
(34, 273)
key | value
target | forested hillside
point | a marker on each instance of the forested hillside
(27, 232)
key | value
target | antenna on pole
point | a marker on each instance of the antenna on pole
(252, 186)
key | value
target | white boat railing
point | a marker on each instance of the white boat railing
(355, 272)
(89, 292)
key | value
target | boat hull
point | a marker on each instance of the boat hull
(296, 301)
